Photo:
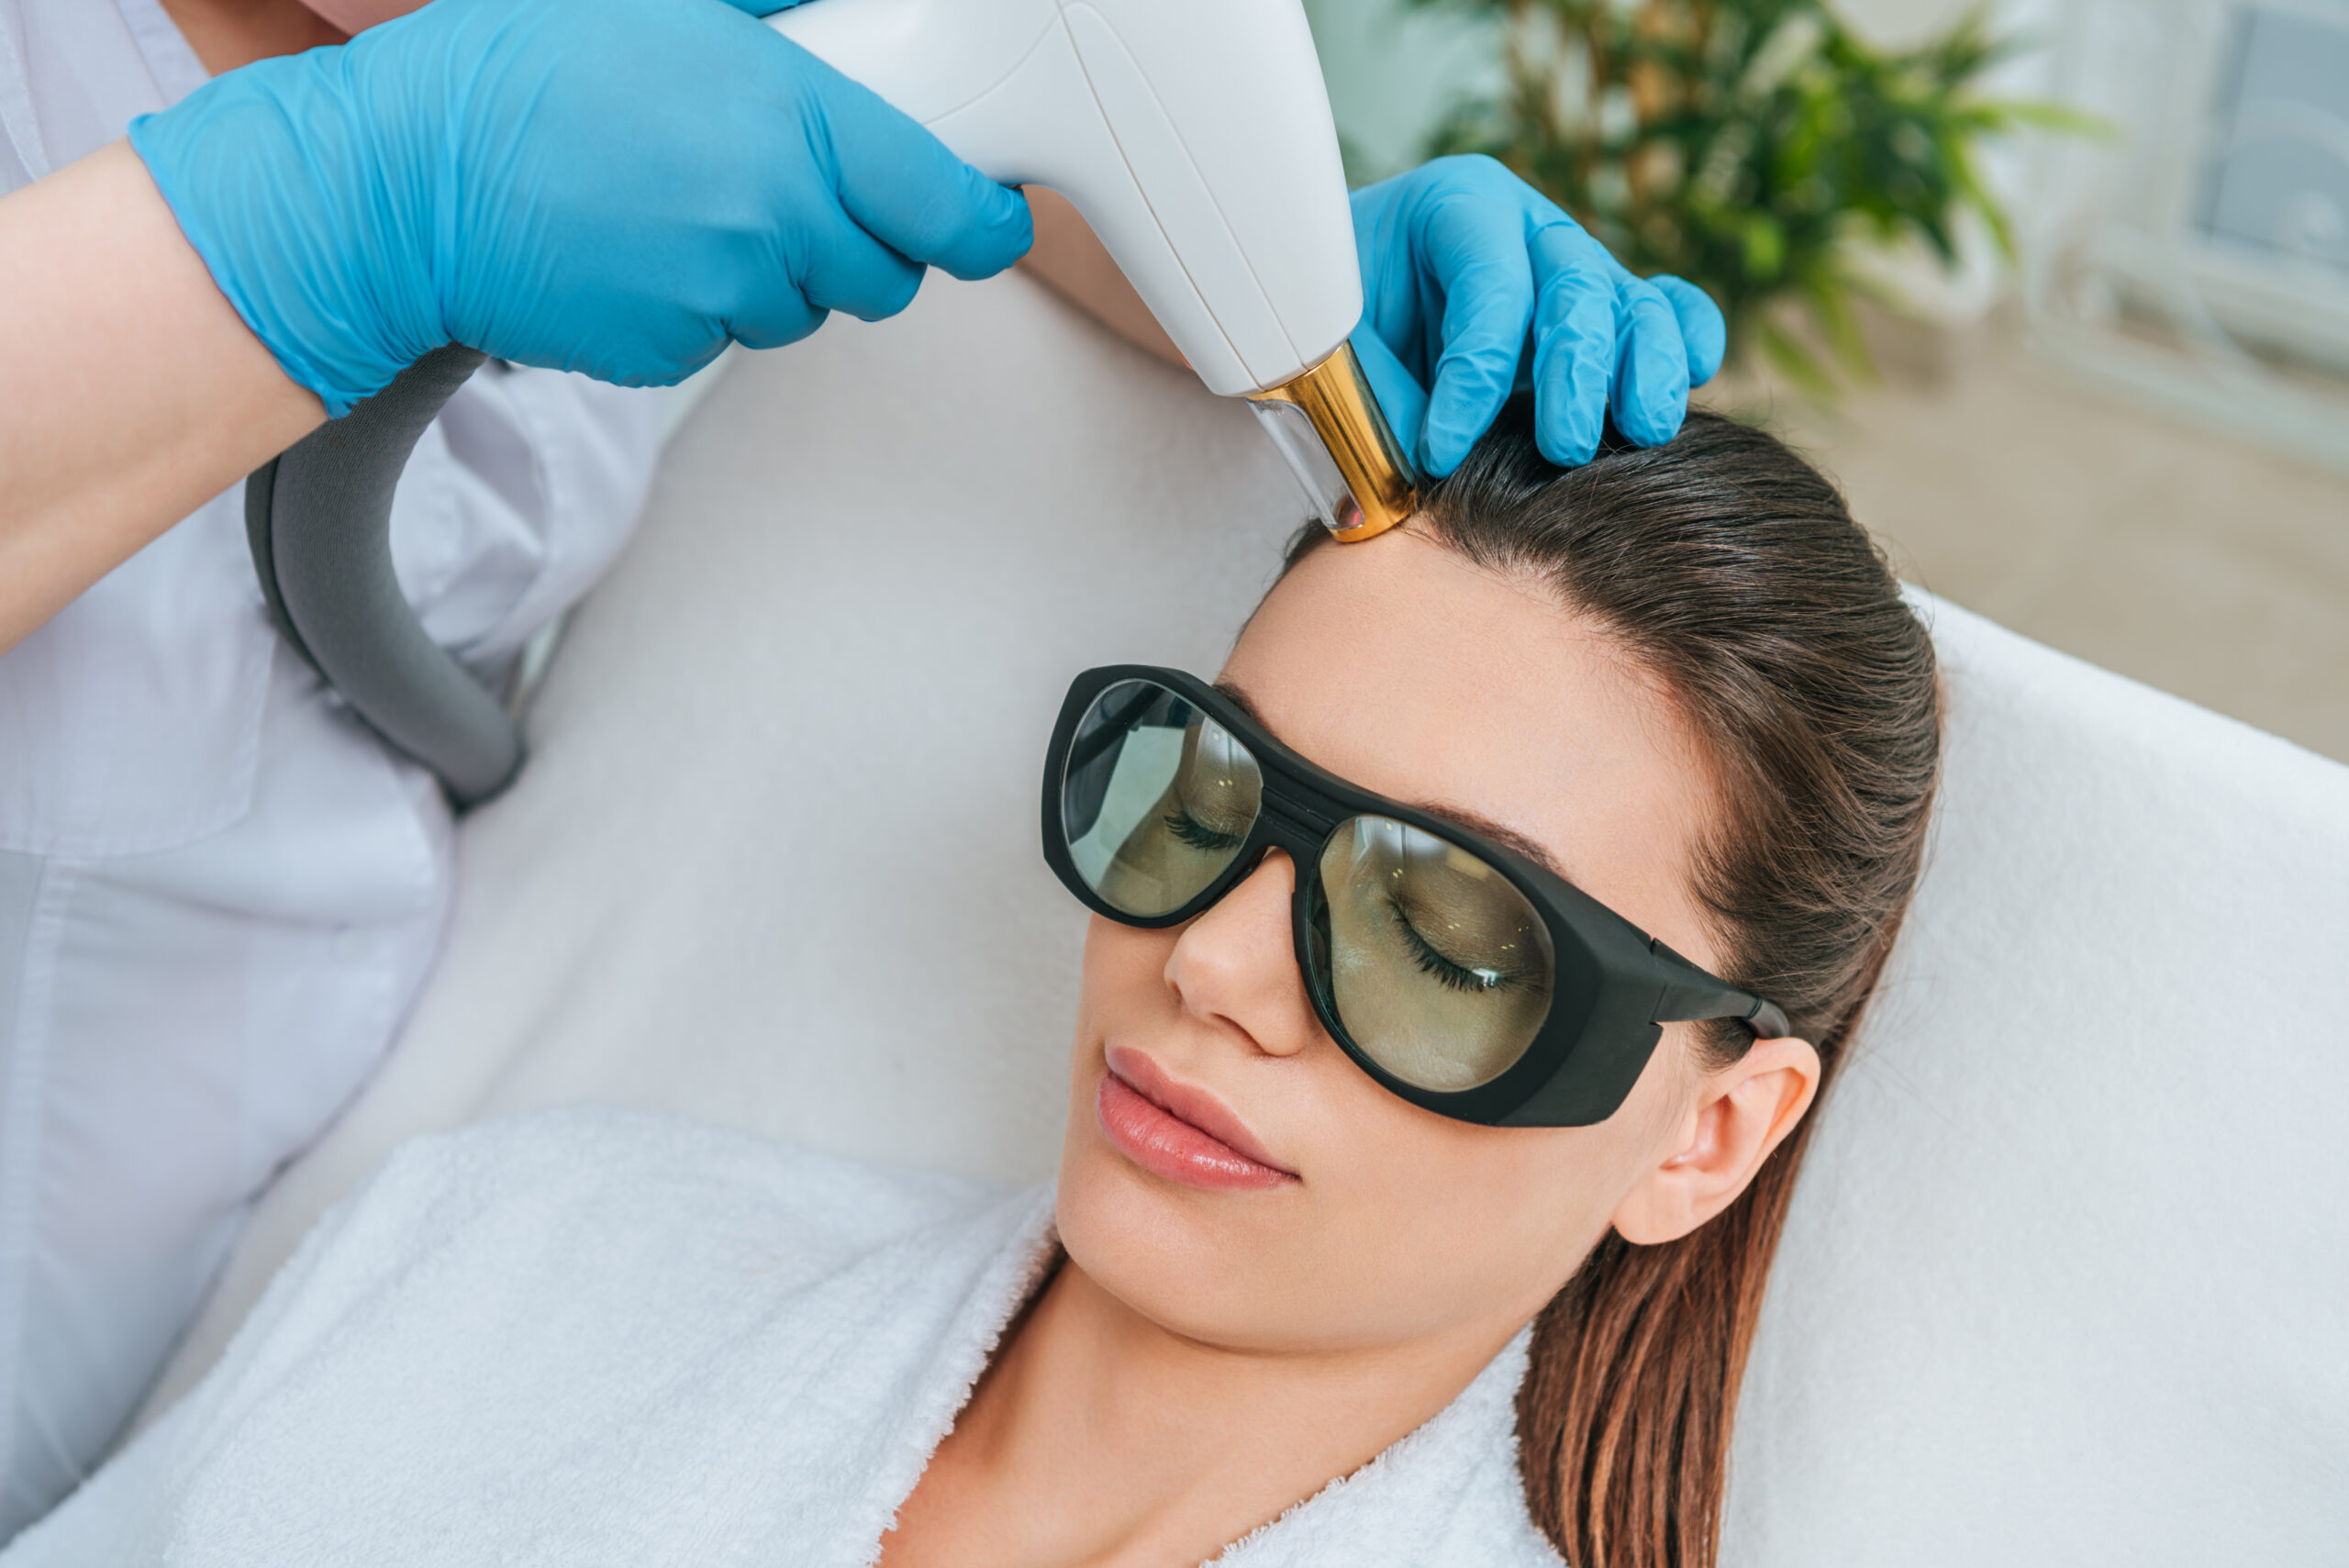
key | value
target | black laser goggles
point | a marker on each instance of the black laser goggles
(1458, 973)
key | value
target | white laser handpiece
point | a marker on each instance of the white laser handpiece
(1195, 137)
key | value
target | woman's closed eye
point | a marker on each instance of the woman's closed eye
(1188, 830)
(1460, 969)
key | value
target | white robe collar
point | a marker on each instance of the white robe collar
(589, 1338)
(1447, 1493)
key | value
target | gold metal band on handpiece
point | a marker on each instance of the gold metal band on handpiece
(1336, 396)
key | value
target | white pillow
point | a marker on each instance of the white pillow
(2066, 1278)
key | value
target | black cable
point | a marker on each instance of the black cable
(319, 519)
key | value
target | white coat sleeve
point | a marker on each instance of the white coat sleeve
(123, 1515)
(127, 1514)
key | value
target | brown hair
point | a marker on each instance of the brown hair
(1732, 570)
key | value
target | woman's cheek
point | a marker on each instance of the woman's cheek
(1449, 1223)
(1124, 985)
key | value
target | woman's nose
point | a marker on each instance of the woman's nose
(1236, 963)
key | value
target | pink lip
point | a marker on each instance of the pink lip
(1174, 1130)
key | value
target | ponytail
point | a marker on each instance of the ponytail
(1623, 1419)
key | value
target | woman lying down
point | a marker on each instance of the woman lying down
(1415, 1205)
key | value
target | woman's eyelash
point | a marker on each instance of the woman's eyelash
(1190, 830)
(1446, 971)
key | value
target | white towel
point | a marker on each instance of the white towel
(604, 1337)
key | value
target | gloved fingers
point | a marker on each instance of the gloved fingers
(902, 185)
(1474, 248)
(1573, 343)
(784, 315)
(1702, 331)
(1651, 392)
(1400, 396)
(846, 269)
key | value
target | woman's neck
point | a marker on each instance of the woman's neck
(1100, 1438)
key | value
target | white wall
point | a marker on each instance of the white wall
(1392, 69)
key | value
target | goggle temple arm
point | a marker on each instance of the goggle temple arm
(1692, 996)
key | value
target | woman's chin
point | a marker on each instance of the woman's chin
(1188, 1259)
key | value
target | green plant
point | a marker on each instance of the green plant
(1748, 146)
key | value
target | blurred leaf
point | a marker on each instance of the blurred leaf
(1793, 361)
(1765, 246)
(1830, 298)
(2061, 118)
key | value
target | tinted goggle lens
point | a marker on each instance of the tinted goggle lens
(1157, 798)
(1437, 968)
(1435, 963)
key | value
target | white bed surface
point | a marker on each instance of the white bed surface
(2068, 1279)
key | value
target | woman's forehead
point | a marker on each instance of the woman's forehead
(1398, 665)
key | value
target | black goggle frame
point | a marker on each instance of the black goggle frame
(1613, 986)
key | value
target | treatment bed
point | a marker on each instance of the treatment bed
(2067, 1280)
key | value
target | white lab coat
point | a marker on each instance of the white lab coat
(217, 892)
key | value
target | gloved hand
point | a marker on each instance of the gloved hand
(612, 186)
(1461, 258)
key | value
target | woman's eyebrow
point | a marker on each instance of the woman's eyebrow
(1459, 816)
(1486, 828)
(1244, 702)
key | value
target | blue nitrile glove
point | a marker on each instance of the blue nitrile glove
(1463, 264)
(613, 187)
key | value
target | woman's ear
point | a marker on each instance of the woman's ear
(1740, 1114)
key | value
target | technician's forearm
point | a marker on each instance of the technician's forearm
(130, 392)
(1071, 258)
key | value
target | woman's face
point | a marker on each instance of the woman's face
(1363, 1219)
